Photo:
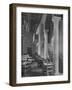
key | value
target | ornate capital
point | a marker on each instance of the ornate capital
(56, 19)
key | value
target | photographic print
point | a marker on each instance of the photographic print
(41, 44)
(40, 53)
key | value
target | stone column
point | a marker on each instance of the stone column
(45, 36)
(56, 20)
(40, 29)
(38, 46)
(39, 43)
(45, 45)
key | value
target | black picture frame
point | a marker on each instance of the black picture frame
(13, 44)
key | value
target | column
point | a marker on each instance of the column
(45, 36)
(38, 46)
(39, 43)
(40, 29)
(56, 20)
(45, 45)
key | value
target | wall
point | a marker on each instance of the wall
(4, 45)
